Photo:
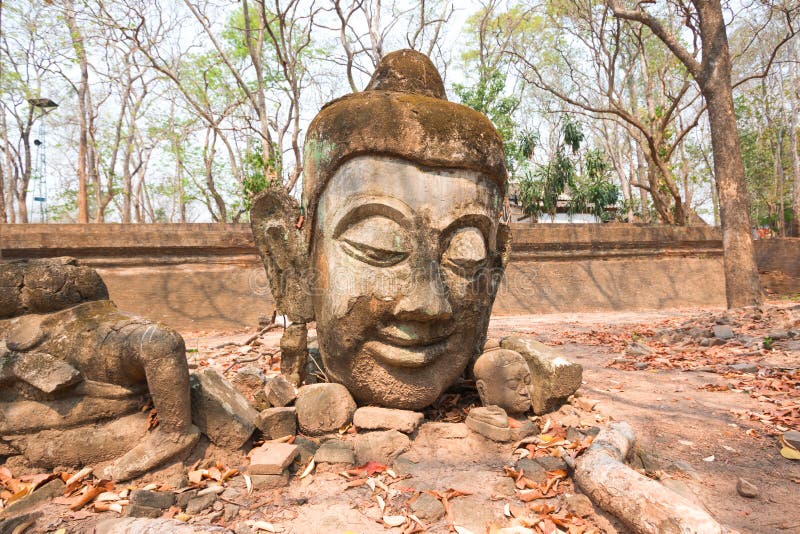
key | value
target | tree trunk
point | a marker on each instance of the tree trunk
(80, 52)
(742, 286)
(793, 126)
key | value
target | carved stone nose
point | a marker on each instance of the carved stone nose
(425, 301)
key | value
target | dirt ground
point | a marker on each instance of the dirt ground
(699, 425)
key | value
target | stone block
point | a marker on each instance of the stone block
(138, 510)
(200, 503)
(382, 447)
(153, 499)
(278, 422)
(490, 422)
(250, 382)
(182, 499)
(280, 392)
(48, 491)
(323, 408)
(272, 458)
(553, 377)
(335, 451)
(45, 372)
(377, 418)
(220, 411)
(267, 482)
(427, 507)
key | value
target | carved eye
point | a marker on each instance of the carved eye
(466, 251)
(377, 241)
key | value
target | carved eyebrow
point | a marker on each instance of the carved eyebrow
(371, 209)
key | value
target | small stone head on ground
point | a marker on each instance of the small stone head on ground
(503, 379)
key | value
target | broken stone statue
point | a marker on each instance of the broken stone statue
(396, 250)
(75, 373)
(503, 379)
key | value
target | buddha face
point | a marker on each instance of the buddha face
(503, 379)
(407, 266)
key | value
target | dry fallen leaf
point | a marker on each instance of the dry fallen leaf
(394, 520)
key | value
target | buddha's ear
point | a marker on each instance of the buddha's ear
(481, 387)
(504, 243)
(277, 221)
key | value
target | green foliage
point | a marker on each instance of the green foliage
(590, 191)
(258, 175)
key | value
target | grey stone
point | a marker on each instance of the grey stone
(551, 463)
(723, 331)
(182, 499)
(220, 411)
(231, 512)
(579, 504)
(278, 422)
(45, 372)
(306, 448)
(11, 525)
(427, 507)
(272, 458)
(250, 382)
(490, 422)
(154, 499)
(638, 349)
(474, 513)
(573, 434)
(748, 368)
(404, 464)
(49, 490)
(265, 482)
(200, 503)
(280, 392)
(138, 510)
(324, 408)
(641, 365)
(382, 447)
(533, 470)
(553, 377)
(377, 418)
(746, 488)
(777, 335)
(336, 451)
(791, 438)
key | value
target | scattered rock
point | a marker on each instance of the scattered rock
(579, 504)
(791, 439)
(45, 372)
(376, 418)
(551, 463)
(18, 523)
(306, 448)
(182, 499)
(154, 499)
(280, 392)
(200, 503)
(533, 470)
(490, 422)
(748, 368)
(723, 331)
(382, 447)
(554, 378)
(746, 488)
(231, 511)
(777, 335)
(138, 510)
(271, 458)
(323, 408)
(220, 411)
(428, 507)
(638, 349)
(129, 525)
(250, 382)
(279, 422)
(335, 451)
(473, 513)
(265, 482)
(641, 365)
(48, 491)
(491, 344)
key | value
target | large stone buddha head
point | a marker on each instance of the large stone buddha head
(402, 194)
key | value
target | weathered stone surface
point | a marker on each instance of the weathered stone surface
(723, 331)
(553, 377)
(220, 411)
(427, 507)
(551, 463)
(130, 525)
(266, 482)
(382, 447)
(306, 448)
(200, 503)
(278, 422)
(48, 491)
(746, 488)
(139, 510)
(748, 368)
(533, 470)
(435, 430)
(377, 418)
(12, 524)
(154, 499)
(272, 458)
(579, 504)
(335, 451)
(182, 499)
(490, 422)
(323, 408)
(250, 382)
(280, 392)
(294, 353)
(503, 379)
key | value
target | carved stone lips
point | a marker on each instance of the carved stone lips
(410, 344)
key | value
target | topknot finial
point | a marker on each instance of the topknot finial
(407, 71)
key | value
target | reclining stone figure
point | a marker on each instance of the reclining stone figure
(75, 373)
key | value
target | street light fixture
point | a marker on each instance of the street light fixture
(40, 196)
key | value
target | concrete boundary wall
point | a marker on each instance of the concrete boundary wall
(204, 276)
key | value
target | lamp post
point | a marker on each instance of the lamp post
(45, 105)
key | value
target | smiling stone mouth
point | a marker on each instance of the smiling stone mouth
(397, 355)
